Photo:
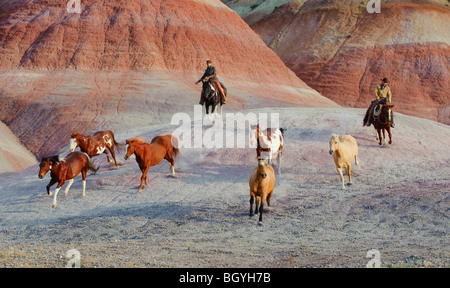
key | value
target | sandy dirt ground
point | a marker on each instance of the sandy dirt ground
(398, 204)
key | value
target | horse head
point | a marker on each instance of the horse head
(47, 164)
(208, 90)
(382, 113)
(131, 143)
(262, 167)
(335, 144)
(74, 141)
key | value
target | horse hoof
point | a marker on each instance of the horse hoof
(54, 206)
(260, 223)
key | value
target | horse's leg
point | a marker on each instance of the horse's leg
(107, 155)
(83, 176)
(142, 181)
(52, 182)
(349, 173)
(172, 166)
(268, 197)
(256, 204)
(68, 187)
(390, 134)
(263, 198)
(221, 106)
(111, 149)
(60, 184)
(279, 163)
(379, 136)
(252, 199)
(144, 177)
(384, 136)
(342, 176)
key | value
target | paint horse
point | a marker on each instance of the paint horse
(63, 169)
(96, 144)
(270, 141)
(151, 154)
(212, 99)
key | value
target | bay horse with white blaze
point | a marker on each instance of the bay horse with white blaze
(271, 142)
(62, 169)
(148, 155)
(96, 144)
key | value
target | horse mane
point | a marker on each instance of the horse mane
(74, 135)
(56, 159)
(135, 140)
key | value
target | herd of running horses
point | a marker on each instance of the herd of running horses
(262, 181)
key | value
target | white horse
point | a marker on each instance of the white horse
(269, 142)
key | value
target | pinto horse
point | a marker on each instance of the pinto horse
(382, 121)
(270, 141)
(148, 155)
(96, 144)
(212, 98)
(63, 169)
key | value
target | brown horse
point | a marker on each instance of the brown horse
(382, 121)
(262, 183)
(96, 144)
(148, 155)
(63, 169)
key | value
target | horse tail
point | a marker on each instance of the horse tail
(90, 164)
(282, 136)
(118, 145)
(176, 150)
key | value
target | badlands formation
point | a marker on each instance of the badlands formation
(119, 61)
(129, 66)
(342, 51)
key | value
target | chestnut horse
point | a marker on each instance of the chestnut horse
(148, 155)
(96, 144)
(63, 169)
(382, 121)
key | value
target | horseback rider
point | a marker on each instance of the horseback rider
(383, 95)
(211, 76)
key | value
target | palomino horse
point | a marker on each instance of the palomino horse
(148, 155)
(262, 183)
(212, 98)
(382, 121)
(96, 144)
(270, 141)
(63, 169)
(344, 149)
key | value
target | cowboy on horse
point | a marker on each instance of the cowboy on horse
(383, 95)
(211, 77)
